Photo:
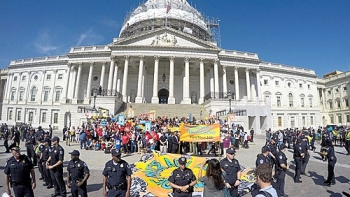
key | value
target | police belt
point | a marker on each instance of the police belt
(121, 186)
(14, 184)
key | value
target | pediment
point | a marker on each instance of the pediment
(165, 37)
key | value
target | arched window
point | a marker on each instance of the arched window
(290, 99)
(33, 93)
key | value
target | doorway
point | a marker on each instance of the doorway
(163, 96)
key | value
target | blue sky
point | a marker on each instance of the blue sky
(313, 34)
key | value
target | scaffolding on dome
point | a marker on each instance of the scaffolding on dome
(210, 31)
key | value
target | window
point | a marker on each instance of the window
(10, 115)
(290, 100)
(347, 118)
(292, 122)
(338, 104)
(95, 78)
(329, 92)
(311, 120)
(289, 84)
(278, 101)
(277, 83)
(346, 102)
(302, 102)
(46, 95)
(310, 102)
(33, 94)
(58, 95)
(36, 77)
(345, 88)
(21, 94)
(60, 76)
(303, 120)
(14, 78)
(337, 90)
(43, 117)
(330, 105)
(19, 114)
(30, 118)
(23, 78)
(332, 119)
(300, 85)
(339, 119)
(55, 118)
(266, 82)
(308, 86)
(48, 77)
(279, 121)
(13, 95)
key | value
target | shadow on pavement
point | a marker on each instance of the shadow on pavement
(332, 194)
(94, 187)
(342, 179)
(318, 179)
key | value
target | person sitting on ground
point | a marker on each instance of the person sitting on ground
(263, 173)
(145, 152)
(89, 144)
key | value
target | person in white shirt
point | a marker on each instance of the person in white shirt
(263, 173)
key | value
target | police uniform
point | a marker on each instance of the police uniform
(38, 150)
(116, 174)
(45, 156)
(182, 178)
(20, 171)
(332, 160)
(30, 142)
(231, 169)
(305, 159)
(261, 158)
(281, 172)
(57, 154)
(77, 170)
(6, 136)
(297, 158)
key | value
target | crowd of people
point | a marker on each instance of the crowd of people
(108, 136)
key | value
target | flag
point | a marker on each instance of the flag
(168, 8)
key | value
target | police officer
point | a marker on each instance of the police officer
(297, 156)
(77, 175)
(19, 172)
(281, 169)
(182, 180)
(38, 149)
(6, 138)
(264, 157)
(55, 165)
(30, 140)
(116, 176)
(45, 154)
(232, 171)
(306, 151)
(16, 136)
(332, 160)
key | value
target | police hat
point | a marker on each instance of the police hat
(14, 146)
(116, 152)
(283, 146)
(75, 153)
(265, 149)
(39, 139)
(55, 138)
(182, 160)
(230, 151)
(47, 140)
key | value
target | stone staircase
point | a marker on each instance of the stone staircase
(179, 110)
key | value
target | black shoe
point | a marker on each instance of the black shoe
(45, 184)
(299, 181)
(41, 178)
(49, 187)
(54, 195)
(303, 173)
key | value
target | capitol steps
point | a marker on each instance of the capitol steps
(168, 110)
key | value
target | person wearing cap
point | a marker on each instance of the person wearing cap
(281, 169)
(306, 151)
(182, 180)
(232, 170)
(116, 176)
(273, 150)
(77, 175)
(6, 137)
(38, 149)
(19, 172)
(55, 165)
(332, 160)
(264, 157)
(45, 154)
(30, 142)
(297, 156)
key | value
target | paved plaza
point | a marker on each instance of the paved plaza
(312, 183)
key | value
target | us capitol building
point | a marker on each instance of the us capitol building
(168, 55)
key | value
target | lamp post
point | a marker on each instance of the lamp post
(95, 95)
(229, 95)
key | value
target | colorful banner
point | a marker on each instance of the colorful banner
(152, 115)
(121, 119)
(200, 133)
(148, 126)
(150, 177)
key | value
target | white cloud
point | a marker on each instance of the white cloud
(110, 23)
(89, 38)
(42, 43)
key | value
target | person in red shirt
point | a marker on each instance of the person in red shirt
(125, 142)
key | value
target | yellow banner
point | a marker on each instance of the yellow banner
(200, 133)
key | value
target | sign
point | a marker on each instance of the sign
(152, 115)
(231, 117)
(130, 112)
(148, 126)
(121, 119)
(200, 133)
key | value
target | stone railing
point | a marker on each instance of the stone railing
(104, 92)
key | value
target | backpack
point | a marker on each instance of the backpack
(265, 193)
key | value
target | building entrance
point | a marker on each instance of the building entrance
(163, 96)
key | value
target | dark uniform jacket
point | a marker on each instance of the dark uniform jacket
(182, 178)
(56, 154)
(263, 159)
(116, 173)
(231, 168)
(19, 170)
(77, 170)
(281, 159)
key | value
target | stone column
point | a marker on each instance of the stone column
(77, 85)
(201, 81)
(110, 77)
(9, 79)
(259, 95)
(236, 84)
(211, 75)
(102, 78)
(247, 83)
(71, 93)
(88, 88)
(67, 79)
(216, 77)
(186, 96)
(323, 99)
(115, 78)
(139, 83)
(125, 78)
(171, 99)
(54, 78)
(224, 81)
(155, 98)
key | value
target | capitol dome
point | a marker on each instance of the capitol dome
(176, 14)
